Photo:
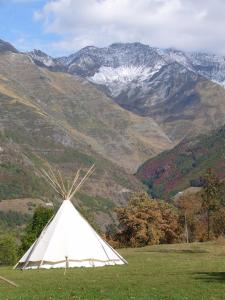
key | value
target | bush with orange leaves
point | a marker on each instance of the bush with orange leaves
(145, 221)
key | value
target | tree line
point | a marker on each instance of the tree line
(189, 218)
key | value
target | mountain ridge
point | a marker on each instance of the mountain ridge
(167, 85)
(194, 60)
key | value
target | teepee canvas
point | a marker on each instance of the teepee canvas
(68, 240)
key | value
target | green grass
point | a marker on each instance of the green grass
(178, 272)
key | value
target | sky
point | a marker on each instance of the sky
(61, 27)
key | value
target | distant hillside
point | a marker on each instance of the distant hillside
(174, 170)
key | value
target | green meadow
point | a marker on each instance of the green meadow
(181, 272)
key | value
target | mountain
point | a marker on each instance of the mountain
(66, 111)
(174, 170)
(6, 47)
(178, 90)
(67, 121)
(120, 69)
(211, 66)
(96, 121)
(89, 60)
(44, 60)
(134, 61)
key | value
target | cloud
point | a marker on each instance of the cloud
(185, 24)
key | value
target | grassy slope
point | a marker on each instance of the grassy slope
(166, 272)
(23, 206)
(173, 170)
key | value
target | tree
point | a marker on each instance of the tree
(189, 207)
(40, 218)
(8, 249)
(218, 222)
(145, 221)
(211, 196)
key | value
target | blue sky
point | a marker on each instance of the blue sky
(19, 26)
(61, 27)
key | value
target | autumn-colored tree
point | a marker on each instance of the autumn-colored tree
(189, 207)
(145, 221)
(218, 222)
(210, 196)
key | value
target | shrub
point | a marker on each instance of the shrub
(8, 249)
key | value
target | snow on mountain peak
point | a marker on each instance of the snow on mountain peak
(121, 74)
(42, 58)
(118, 79)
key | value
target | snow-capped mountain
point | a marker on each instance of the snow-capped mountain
(43, 59)
(132, 62)
(173, 87)
(211, 66)
(89, 60)
(122, 78)
(120, 69)
(127, 69)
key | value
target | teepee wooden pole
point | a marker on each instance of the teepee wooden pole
(74, 181)
(55, 179)
(15, 265)
(62, 183)
(51, 182)
(88, 174)
(8, 281)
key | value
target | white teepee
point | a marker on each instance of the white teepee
(68, 240)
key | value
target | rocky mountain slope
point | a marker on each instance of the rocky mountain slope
(209, 65)
(5, 47)
(44, 60)
(95, 121)
(176, 169)
(179, 90)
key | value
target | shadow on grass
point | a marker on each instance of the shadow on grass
(210, 276)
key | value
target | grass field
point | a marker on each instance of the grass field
(180, 272)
